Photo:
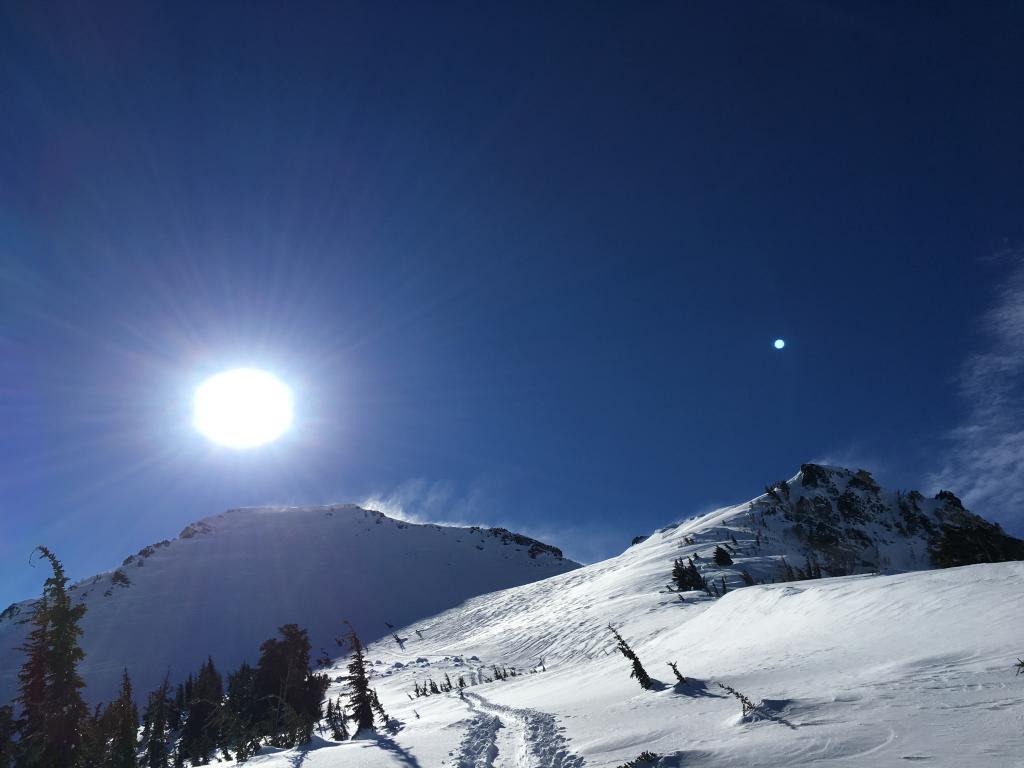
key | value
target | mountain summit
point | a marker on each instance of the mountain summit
(229, 581)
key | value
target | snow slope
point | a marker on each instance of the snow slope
(861, 670)
(229, 581)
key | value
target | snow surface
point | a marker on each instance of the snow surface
(913, 668)
(866, 670)
(231, 580)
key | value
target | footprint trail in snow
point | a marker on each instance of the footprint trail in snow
(507, 737)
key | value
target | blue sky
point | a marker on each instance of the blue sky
(522, 264)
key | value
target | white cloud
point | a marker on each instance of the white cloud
(985, 462)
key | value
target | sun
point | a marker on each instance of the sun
(243, 408)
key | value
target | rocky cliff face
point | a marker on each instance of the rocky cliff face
(845, 522)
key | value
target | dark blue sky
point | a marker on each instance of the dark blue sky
(522, 263)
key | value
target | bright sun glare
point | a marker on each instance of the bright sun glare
(243, 408)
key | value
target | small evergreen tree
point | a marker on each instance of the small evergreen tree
(722, 557)
(360, 696)
(201, 732)
(638, 669)
(32, 686)
(685, 575)
(378, 708)
(240, 729)
(337, 722)
(177, 709)
(675, 671)
(124, 726)
(157, 727)
(746, 705)
(96, 738)
(747, 578)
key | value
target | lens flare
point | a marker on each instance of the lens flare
(780, 343)
(243, 408)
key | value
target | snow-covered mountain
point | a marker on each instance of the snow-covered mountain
(888, 666)
(228, 581)
(841, 522)
(866, 670)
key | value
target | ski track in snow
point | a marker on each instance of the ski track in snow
(513, 738)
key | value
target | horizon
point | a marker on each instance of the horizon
(514, 265)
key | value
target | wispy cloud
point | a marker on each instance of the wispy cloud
(439, 502)
(985, 462)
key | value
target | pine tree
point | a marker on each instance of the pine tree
(96, 738)
(638, 670)
(722, 557)
(240, 726)
(32, 686)
(157, 727)
(125, 725)
(337, 722)
(686, 576)
(177, 709)
(200, 734)
(361, 698)
(747, 578)
(49, 684)
(7, 727)
(378, 708)
(290, 693)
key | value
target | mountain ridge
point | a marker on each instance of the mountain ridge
(229, 580)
